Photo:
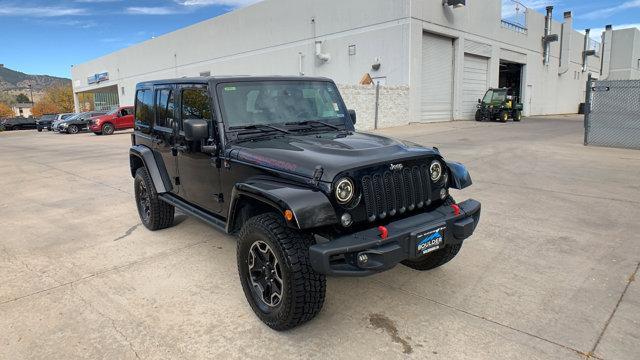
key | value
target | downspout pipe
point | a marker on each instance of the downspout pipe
(584, 50)
(547, 32)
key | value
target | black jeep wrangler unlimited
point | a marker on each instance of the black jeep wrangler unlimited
(277, 161)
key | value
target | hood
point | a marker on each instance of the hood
(336, 152)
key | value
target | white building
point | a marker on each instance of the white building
(434, 61)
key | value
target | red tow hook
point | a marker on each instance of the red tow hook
(456, 209)
(384, 233)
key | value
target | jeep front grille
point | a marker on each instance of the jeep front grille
(395, 192)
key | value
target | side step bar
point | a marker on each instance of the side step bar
(194, 211)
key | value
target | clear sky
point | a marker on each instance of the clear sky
(47, 37)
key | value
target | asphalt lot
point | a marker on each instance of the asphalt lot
(549, 273)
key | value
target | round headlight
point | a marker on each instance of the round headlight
(435, 170)
(344, 190)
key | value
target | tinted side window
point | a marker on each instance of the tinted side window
(195, 104)
(164, 108)
(144, 108)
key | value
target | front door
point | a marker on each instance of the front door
(164, 131)
(199, 172)
(124, 119)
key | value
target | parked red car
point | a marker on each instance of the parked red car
(118, 119)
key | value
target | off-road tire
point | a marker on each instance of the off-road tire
(73, 129)
(434, 259)
(160, 215)
(478, 115)
(303, 290)
(517, 116)
(108, 129)
(504, 116)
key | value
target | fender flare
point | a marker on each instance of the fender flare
(154, 164)
(460, 177)
(311, 208)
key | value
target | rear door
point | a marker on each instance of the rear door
(199, 172)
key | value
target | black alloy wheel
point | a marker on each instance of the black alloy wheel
(265, 275)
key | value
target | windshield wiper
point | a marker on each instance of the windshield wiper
(309, 122)
(260, 127)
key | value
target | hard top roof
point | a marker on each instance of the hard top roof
(229, 78)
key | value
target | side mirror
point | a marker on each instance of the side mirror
(479, 101)
(196, 129)
(352, 114)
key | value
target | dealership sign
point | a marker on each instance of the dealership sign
(98, 78)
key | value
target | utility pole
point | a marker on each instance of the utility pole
(31, 90)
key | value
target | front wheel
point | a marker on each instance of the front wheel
(276, 274)
(73, 129)
(154, 213)
(107, 129)
(434, 259)
(478, 115)
(504, 116)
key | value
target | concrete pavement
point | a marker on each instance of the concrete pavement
(549, 274)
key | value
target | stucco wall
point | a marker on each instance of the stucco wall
(393, 105)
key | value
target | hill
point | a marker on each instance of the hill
(15, 80)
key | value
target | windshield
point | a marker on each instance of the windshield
(246, 104)
(487, 97)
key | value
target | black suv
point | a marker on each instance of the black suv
(277, 161)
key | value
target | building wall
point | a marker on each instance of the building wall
(393, 104)
(271, 37)
(624, 63)
(545, 89)
(278, 37)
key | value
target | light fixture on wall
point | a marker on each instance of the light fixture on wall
(454, 3)
(376, 64)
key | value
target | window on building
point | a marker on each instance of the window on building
(144, 108)
(164, 108)
(195, 104)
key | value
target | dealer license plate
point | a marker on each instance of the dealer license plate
(430, 240)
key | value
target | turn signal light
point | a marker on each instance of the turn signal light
(288, 215)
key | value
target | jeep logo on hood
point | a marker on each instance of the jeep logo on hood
(396, 167)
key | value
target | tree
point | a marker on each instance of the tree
(5, 111)
(22, 98)
(7, 98)
(56, 100)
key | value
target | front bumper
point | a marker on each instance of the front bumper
(339, 257)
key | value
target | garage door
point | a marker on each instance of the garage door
(474, 83)
(437, 78)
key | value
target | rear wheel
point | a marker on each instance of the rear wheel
(276, 274)
(72, 129)
(504, 116)
(154, 213)
(107, 129)
(517, 116)
(39, 129)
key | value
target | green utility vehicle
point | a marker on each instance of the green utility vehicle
(499, 104)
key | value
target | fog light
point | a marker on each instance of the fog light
(443, 193)
(363, 259)
(346, 220)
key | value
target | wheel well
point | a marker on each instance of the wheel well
(246, 208)
(135, 163)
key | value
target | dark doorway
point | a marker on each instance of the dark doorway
(511, 77)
